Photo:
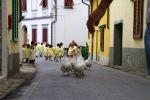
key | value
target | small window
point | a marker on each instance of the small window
(45, 35)
(102, 28)
(9, 22)
(44, 3)
(138, 19)
(24, 5)
(34, 35)
(68, 4)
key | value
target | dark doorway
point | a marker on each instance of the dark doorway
(118, 30)
(24, 35)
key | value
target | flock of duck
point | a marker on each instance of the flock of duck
(75, 65)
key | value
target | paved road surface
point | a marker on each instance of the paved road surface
(101, 83)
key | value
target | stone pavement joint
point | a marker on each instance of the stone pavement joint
(27, 72)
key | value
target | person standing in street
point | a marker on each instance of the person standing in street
(32, 53)
(147, 38)
(96, 16)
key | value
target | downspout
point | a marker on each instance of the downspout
(88, 7)
(52, 23)
(92, 41)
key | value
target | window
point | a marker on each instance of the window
(68, 3)
(24, 5)
(44, 3)
(15, 20)
(138, 19)
(45, 34)
(34, 35)
(102, 28)
(9, 22)
(20, 10)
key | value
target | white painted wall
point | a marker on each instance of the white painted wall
(39, 24)
(71, 23)
(35, 10)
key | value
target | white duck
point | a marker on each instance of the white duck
(66, 66)
(79, 66)
(88, 62)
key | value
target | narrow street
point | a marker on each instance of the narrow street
(101, 83)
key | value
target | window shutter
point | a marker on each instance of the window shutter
(9, 22)
(68, 3)
(34, 35)
(45, 4)
(15, 20)
(138, 19)
(102, 28)
(45, 34)
(20, 10)
(24, 5)
(108, 18)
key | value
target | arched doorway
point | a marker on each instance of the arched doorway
(24, 36)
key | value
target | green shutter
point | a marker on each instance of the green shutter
(15, 20)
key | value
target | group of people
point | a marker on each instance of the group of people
(74, 49)
(55, 53)
(48, 51)
(30, 52)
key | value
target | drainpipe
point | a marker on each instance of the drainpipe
(88, 7)
(52, 23)
(92, 41)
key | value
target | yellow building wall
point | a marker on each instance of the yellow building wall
(122, 10)
(103, 57)
(13, 46)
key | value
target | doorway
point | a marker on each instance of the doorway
(118, 31)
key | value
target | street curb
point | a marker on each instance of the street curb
(124, 70)
(22, 83)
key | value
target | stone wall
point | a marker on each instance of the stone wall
(132, 58)
(13, 64)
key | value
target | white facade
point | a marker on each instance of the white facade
(37, 17)
(71, 23)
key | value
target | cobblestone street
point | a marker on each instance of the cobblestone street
(101, 83)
